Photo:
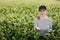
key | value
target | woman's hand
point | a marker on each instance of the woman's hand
(37, 28)
(48, 30)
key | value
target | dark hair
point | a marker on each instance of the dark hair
(42, 7)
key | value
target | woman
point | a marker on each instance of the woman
(43, 23)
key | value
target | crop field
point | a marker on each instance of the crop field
(17, 19)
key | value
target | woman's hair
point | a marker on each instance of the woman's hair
(42, 7)
(38, 17)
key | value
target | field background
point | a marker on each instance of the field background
(17, 19)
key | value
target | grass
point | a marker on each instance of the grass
(33, 2)
(17, 17)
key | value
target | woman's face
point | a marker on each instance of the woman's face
(43, 12)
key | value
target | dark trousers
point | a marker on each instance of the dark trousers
(42, 38)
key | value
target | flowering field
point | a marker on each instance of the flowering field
(17, 19)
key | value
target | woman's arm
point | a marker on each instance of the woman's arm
(50, 24)
(36, 25)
